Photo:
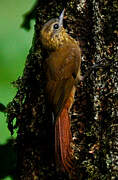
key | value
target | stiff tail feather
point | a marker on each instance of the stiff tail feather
(63, 138)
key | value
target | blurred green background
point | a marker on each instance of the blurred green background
(15, 43)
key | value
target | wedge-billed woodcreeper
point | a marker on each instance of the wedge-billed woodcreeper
(62, 69)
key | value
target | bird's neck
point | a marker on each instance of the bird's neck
(63, 40)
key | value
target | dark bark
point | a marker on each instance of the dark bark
(94, 113)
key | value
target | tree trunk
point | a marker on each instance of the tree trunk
(94, 113)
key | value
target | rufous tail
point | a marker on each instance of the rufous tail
(63, 138)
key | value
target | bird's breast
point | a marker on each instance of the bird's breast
(61, 63)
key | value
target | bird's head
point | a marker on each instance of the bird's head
(53, 33)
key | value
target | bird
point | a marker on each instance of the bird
(63, 71)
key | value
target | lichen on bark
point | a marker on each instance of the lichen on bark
(93, 115)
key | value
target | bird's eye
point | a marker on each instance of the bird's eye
(56, 26)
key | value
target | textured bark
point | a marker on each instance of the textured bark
(94, 114)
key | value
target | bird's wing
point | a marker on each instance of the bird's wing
(58, 94)
(62, 69)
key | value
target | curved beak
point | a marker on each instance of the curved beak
(61, 18)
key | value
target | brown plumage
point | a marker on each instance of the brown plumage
(63, 72)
